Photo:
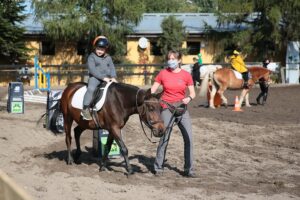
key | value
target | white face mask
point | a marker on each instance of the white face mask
(172, 64)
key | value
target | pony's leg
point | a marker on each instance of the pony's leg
(124, 152)
(67, 126)
(212, 96)
(224, 99)
(247, 100)
(117, 135)
(77, 132)
(242, 97)
(107, 148)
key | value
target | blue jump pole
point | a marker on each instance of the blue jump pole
(36, 75)
(36, 65)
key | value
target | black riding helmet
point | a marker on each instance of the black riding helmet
(102, 42)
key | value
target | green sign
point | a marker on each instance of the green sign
(115, 149)
(16, 107)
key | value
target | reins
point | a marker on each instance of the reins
(173, 114)
(141, 121)
(170, 124)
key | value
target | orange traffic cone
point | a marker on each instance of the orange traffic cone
(237, 107)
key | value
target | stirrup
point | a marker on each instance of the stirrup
(86, 115)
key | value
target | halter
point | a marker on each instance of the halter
(149, 123)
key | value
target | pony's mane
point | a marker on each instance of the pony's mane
(125, 85)
(258, 72)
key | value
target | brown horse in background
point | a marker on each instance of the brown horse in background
(122, 101)
(224, 78)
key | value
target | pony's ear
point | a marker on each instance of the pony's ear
(158, 95)
(148, 94)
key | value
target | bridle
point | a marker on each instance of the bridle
(149, 123)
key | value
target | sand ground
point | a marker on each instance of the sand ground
(249, 155)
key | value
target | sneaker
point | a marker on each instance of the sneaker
(158, 173)
(86, 115)
(257, 101)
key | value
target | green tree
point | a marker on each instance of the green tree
(262, 27)
(83, 20)
(12, 45)
(173, 35)
(169, 6)
(206, 5)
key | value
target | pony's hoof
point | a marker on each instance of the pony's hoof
(248, 106)
(129, 171)
(77, 155)
(257, 102)
(103, 169)
(70, 161)
(212, 107)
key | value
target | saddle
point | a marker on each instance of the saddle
(98, 93)
(99, 97)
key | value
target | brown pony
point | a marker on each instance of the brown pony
(224, 78)
(122, 101)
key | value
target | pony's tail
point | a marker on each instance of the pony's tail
(204, 85)
(40, 119)
(52, 124)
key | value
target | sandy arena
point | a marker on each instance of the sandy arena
(250, 155)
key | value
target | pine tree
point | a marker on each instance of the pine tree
(207, 5)
(262, 27)
(12, 45)
(169, 6)
(173, 35)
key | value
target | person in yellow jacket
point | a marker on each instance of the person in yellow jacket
(238, 64)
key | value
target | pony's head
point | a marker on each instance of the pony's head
(150, 113)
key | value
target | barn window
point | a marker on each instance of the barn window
(48, 48)
(155, 49)
(81, 46)
(193, 47)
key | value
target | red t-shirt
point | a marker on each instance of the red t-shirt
(174, 84)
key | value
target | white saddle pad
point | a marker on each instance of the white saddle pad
(77, 100)
(207, 69)
(187, 68)
(237, 74)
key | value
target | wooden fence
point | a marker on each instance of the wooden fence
(61, 75)
(64, 74)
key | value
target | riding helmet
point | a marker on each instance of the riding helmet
(102, 42)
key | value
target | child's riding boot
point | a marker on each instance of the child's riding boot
(85, 113)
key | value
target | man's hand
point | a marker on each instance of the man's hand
(187, 100)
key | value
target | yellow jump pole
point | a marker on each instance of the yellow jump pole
(40, 78)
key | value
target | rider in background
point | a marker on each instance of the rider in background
(237, 63)
(196, 71)
(264, 87)
(101, 69)
(175, 81)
